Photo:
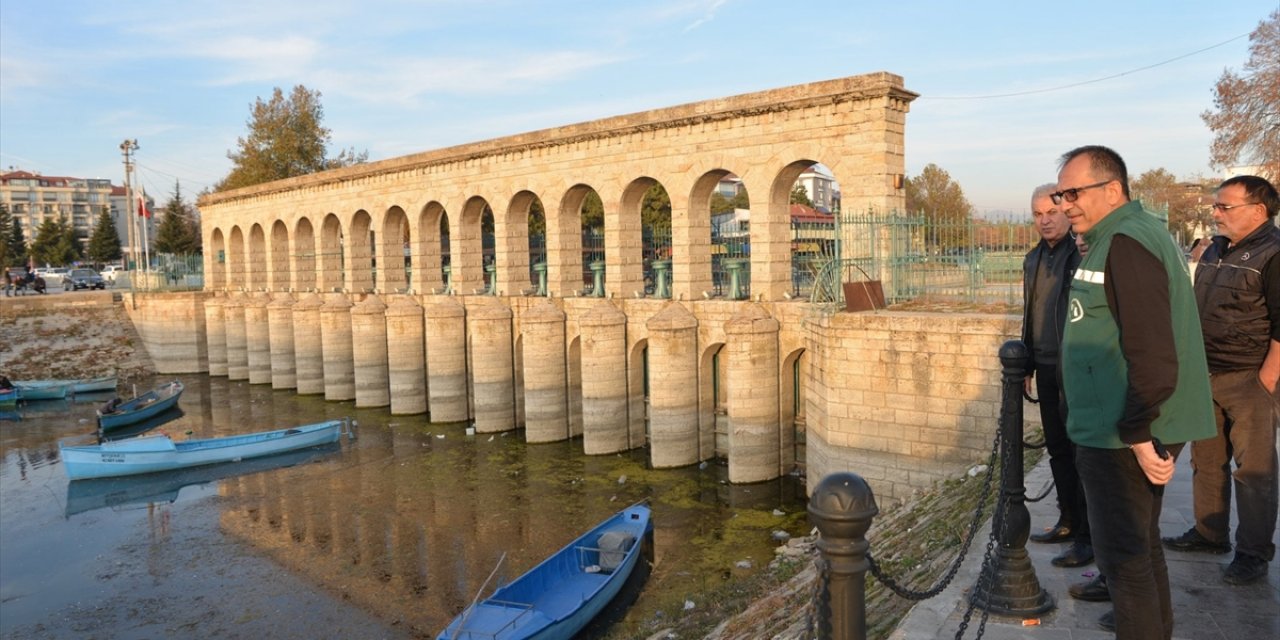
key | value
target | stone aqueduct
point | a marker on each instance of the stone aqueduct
(294, 296)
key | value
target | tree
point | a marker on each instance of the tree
(6, 232)
(1246, 119)
(175, 233)
(941, 200)
(592, 212)
(285, 139)
(55, 243)
(15, 244)
(740, 200)
(655, 209)
(104, 244)
(800, 195)
(719, 203)
(1181, 201)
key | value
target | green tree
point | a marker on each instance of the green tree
(6, 232)
(55, 243)
(286, 138)
(175, 233)
(941, 201)
(1246, 119)
(800, 195)
(104, 244)
(1180, 202)
(740, 200)
(15, 244)
(719, 203)
(655, 209)
(592, 211)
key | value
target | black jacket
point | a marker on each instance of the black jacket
(1236, 291)
(1064, 265)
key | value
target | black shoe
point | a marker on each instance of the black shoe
(1094, 590)
(1108, 621)
(1057, 533)
(1193, 542)
(1245, 569)
(1076, 555)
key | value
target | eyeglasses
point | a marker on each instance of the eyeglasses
(1071, 195)
(1223, 208)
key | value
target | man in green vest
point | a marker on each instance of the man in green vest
(1134, 375)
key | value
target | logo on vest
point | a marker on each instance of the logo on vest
(1076, 312)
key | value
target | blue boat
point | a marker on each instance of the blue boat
(557, 598)
(148, 454)
(114, 416)
(43, 389)
(8, 398)
(79, 385)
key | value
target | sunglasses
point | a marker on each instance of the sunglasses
(1071, 195)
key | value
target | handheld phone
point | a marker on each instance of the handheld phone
(1160, 450)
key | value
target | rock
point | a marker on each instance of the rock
(688, 605)
(781, 536)
(973, 472)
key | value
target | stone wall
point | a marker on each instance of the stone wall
(172, 328)
(903, 399)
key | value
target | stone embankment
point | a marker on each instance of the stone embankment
(71, 335)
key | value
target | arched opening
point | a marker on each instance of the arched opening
(397, 263)
(728, 207)
(332, 269)
(362, 274)
(473, 260)
(521, 247)
(638, 394)
(713, 397)
(218, 248)
(304, 255)
(791, 396)
(236, 275)
(430, 249)
(257, 276)
(654, 212)
(576, 251)
(575, 386)
(281, 279)
(814, 204)
(446, 253)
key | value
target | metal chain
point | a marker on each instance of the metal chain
(964, 548)
(811, 614)
(986, 577)
(1043, 494)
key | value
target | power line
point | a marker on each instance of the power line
(1085, 82)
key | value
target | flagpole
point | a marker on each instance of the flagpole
(146, 217)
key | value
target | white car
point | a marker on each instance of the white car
(53, 277)
(110, 271)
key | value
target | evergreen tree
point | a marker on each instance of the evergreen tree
(174, 236)
(55, 243)
(104, 244)
(655, 209)
(16, 244)
(6, 232)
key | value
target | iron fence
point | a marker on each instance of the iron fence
(166, 272)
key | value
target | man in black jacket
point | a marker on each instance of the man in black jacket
(1047, 272)
(1237, 289)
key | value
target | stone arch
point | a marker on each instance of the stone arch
(624, 239)
(512, 236)
(638, 394)
(361, 265)
(466, 241)
(218, 262)
(691, 229)
(258, 275)
(791, 394)
(565, 253)
(281, 278)
(395, 265)
(428, 249)
(235, 259)
(771, 234)
(304, 255)
(331, 254)
(713, 401)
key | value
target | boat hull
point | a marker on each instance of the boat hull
(8, 399)
(42, 390)
(148, 454)
(559, 597)
(145, 406)
(83, 385)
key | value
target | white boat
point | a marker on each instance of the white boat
(159, 452)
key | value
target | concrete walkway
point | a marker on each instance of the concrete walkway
(1205, 608)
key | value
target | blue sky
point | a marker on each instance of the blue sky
(399, 77)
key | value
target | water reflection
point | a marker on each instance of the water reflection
(409, 519)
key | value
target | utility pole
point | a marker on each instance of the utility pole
(127, 148)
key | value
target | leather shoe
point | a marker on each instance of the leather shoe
(1193, 542)
(1094, 590)
(1076, 555)
(1245, 569)
(1108, 621)
(1057, 533)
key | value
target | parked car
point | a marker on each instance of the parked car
(110, 272)
(83, 279)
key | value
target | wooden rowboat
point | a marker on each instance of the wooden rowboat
(43, 389)
(146, 454)
(81, 385)
(557, 598)
(140, 408)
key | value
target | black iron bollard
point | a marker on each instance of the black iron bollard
(842, 507)
(1015, 590)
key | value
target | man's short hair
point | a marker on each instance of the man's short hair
(1256, 190)
(1043, 191)
(1104, 164)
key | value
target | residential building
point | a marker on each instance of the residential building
(33, 198)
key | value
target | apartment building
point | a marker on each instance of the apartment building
(33, 198)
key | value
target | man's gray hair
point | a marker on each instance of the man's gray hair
(1043, 191)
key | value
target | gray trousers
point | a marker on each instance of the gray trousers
(1247, 418)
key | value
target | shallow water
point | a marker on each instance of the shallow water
(388, 535)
